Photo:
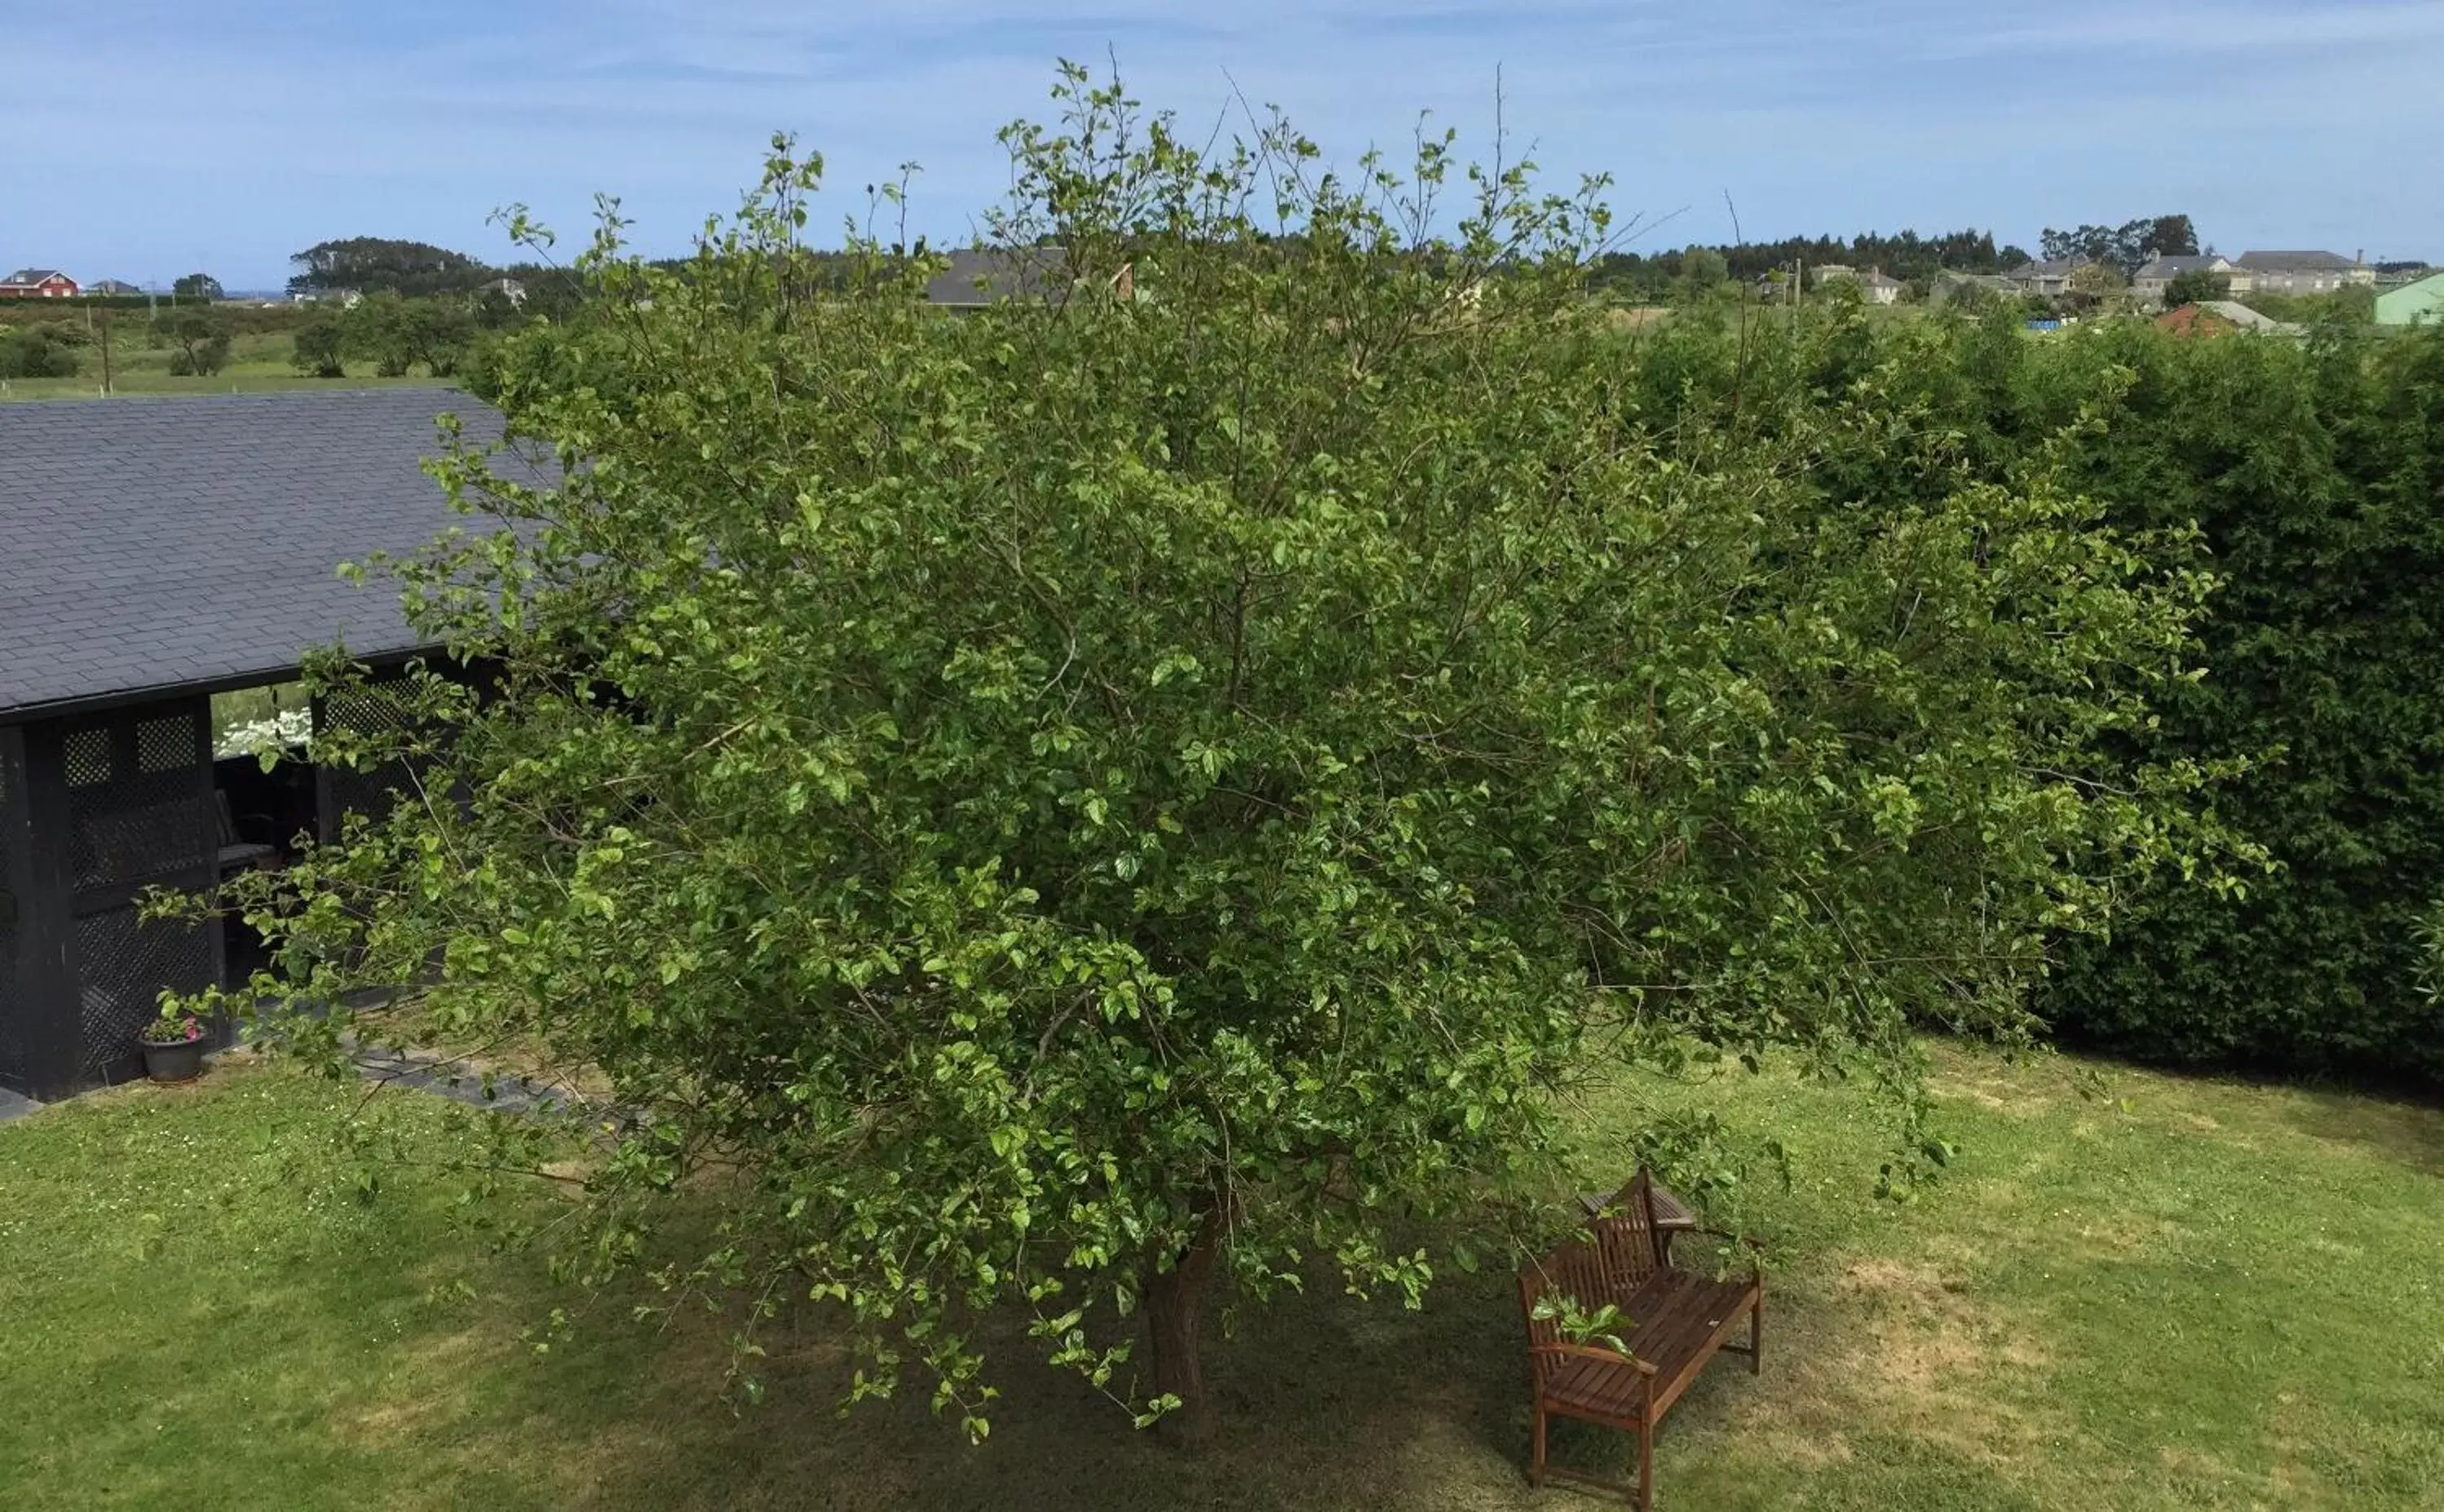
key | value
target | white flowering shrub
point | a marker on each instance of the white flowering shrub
(287, 729)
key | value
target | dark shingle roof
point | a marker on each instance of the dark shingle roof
(2289, 262)
(149, 543)
(32, 275)
(991, 274)
(2172, 265)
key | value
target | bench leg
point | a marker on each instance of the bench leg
(1647, 1465)
(1536, 1455)
(1756, 1335)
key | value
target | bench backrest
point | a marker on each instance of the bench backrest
(1622, 1249)
(1627, 1232)
(1575, 1272)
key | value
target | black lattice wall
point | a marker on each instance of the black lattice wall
(134, 810)
(377, 708)
(14, 867)
(139, 816)
(121, 967)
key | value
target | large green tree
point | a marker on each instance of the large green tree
(321, 348)
(394, 334)
(2196, 287)
(200, 337)
(1164, 784)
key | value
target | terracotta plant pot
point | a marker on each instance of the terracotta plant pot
(182, 1061)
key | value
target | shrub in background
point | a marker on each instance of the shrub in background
(321, 348)
(38, 351)
(200, 341)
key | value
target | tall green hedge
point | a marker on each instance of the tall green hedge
(2313, 471)
(2316, 473)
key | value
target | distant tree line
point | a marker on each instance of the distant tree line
(1652, 277)
(1904, 255)
(17, 311)
(383, 265)
(2127, 246)
(377, 265)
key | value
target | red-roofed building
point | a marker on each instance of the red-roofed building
(37, 282)
(2194, 319)
(2218, 317)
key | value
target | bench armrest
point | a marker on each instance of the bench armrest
(1593, 1352)
(1748, 1242)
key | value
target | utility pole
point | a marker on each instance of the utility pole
(105, 354)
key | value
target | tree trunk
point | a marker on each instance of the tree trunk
(1175, 1304)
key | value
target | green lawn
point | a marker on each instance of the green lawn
(2178, 1293)
(258, 364)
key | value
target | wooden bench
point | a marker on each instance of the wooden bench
(1673, 1322)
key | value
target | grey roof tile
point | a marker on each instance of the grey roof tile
(988, 275)
(150, 542)
(2294, 262)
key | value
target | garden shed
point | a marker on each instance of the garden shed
(154, 553)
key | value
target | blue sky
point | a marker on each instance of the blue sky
(227, 136)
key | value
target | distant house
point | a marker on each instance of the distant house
(2157, 274)
(115, 288)
(980, 277)
(2047, 278)
(2300, 272)
(38, 283)
(1951, 288)
(1880, 289)
(2413, 303)
(508, 288)
(1833, 273)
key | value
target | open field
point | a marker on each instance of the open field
(2133, 1292)
(258, 364)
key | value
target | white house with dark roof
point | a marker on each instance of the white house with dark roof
(1872, 286)
(2047, 277)
(2157, 274)
(2302, 272)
